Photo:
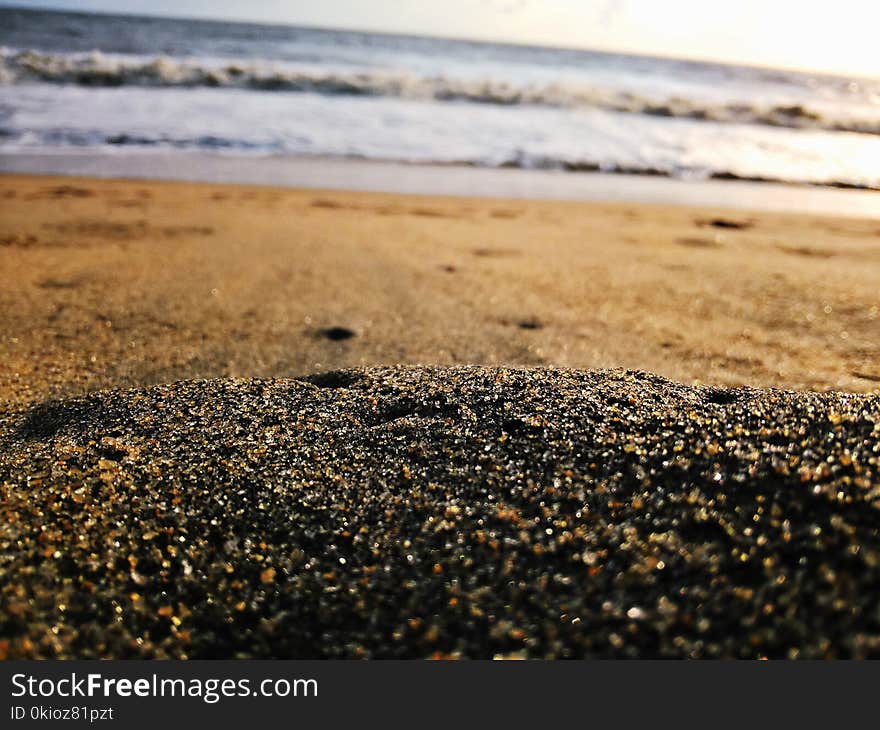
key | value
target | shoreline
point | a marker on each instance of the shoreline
(448, 180)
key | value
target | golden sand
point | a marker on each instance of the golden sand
(111, 283)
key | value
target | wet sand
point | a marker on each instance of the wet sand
(331, 173)
(116, 284)
(449, 511)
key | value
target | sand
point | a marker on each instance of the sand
(111, 284)
(506, 509)
(462, 513)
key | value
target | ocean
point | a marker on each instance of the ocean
(108, 84)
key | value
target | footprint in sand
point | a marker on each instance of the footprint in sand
(806, 251)
(873, 377)
(699, 242)
(19, 240)
(74, 283)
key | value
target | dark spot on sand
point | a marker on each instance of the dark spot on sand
(726, 223)
(431, 213)
(530, 324)
(336, 379)
(337, 334)
(806, 251)
(60, 283)
(449, 269)
(721, 396)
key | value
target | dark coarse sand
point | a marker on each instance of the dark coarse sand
(462, 512)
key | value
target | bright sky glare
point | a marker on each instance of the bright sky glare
(840, 36)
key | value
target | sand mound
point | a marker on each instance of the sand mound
(413, 512)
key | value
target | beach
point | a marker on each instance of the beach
(253, 421)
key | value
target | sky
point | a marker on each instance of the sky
(841, 36)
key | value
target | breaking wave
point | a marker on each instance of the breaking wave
(97, 69)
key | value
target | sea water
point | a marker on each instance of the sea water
(106, 84)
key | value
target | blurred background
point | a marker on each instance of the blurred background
(752, 90)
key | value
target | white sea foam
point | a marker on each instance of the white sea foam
(243, 121)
